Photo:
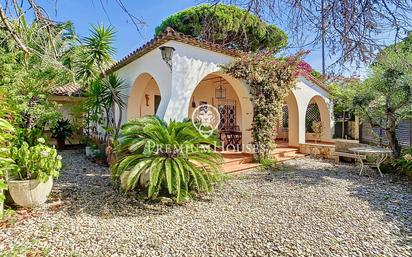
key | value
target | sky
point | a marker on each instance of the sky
(84, 13)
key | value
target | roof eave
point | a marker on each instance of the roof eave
(171, 35)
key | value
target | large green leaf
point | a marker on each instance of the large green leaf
(129, 178)
(177, 165)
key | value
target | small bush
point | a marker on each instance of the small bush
(404, 162)
(35, 162)
(163, 159)
(267, 164)
(62, 130)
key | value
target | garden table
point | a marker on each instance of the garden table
(379, 153)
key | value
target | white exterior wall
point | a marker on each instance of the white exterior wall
(153, 64)
(304, 92)
(190, 65)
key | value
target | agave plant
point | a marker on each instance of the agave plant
(174, 158)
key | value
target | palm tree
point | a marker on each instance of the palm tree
(94, 103)
(103, 96)
(95, 55)
(113, 96)
(175, 158)
(98, 47)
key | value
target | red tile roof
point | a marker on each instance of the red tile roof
(69, 90)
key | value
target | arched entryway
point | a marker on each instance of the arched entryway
(144, 97)
(317, 121)
(231, 100)
(287, 131)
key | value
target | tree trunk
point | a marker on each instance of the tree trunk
(107, 124)
(8, 27)
(119, 124)
(390, 133)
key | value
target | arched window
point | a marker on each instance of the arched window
(312, 115)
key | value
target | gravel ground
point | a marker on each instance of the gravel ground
(309, 208)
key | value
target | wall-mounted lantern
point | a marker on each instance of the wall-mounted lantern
(167, 54)
(147, 97)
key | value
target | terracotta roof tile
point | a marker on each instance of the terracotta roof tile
(69, 90)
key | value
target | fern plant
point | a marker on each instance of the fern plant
(174, 158)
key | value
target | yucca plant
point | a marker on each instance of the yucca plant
(174, 158)
(113, 96)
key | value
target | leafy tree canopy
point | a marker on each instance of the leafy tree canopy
(226, 25)
(27, 80)
(56, 57)
(384, 98)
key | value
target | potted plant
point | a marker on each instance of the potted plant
(61, 131)
(31, 179)
(92, 148)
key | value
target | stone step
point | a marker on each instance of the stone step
(229, 162)
(237, 169)
(286, 158)
(241, 168)
(238, 162)
(285, 153)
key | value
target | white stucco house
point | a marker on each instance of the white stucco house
(193, 77)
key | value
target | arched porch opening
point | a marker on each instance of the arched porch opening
(144, 97)
(317, 121)
(287, 131)
(234, 107)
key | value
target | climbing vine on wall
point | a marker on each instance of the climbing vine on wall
(270, 81)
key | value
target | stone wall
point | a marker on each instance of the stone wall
(318, 150)
(343, 145)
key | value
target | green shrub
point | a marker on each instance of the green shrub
(166, 159)
(62, 130)
(267, 164)
(35, 162)
(404, 162)
(6, 163)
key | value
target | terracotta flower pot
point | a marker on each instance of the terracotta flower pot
(30, 193)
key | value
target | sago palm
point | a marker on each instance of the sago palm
(175, 158)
